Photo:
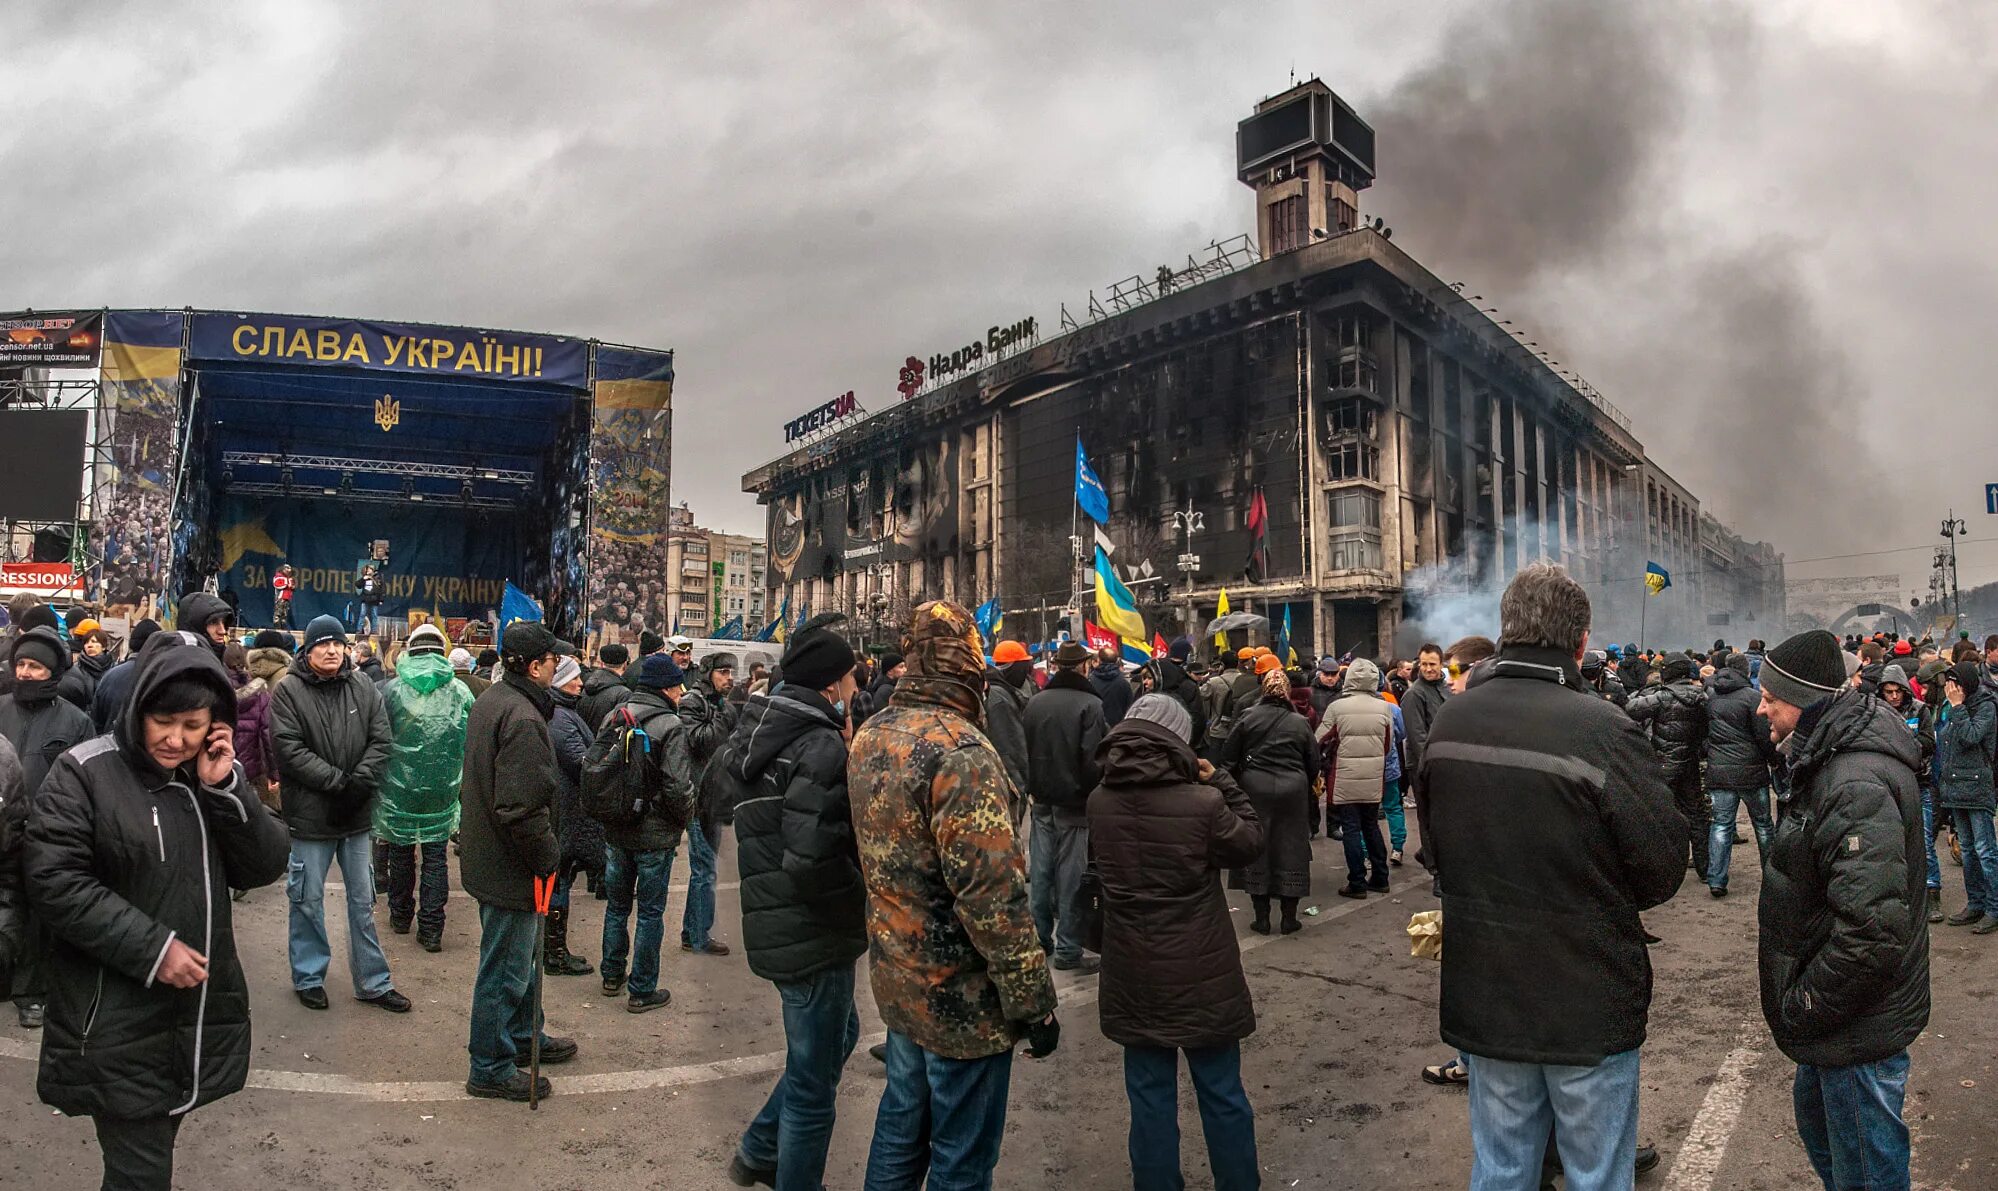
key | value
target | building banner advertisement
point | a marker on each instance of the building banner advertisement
(51, 340)
(631, 446)
(140, 405)
(394, 347)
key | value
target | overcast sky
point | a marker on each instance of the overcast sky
(1764, 229)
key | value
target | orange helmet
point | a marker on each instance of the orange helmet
(1009, 651)
(1267, 662)
(1245, 653)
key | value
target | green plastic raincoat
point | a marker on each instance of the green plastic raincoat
(427, 712)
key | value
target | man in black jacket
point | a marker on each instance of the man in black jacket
(107, 702)
(605, 687)
(1844, 951)
(1739, 754)
(1107, 677)
(1674, 714)
(1553, 830)
(638, 864)
(206, 616)
(1009, 682)
(804, 902)
(508, 830)
(13, 891)
(710, 719)
(1064, 722)
(330, 737)
(1170, 677)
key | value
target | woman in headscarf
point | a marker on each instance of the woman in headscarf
(1271, 753)
(136, 839)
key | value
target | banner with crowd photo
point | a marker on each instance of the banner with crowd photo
(140, 409)
(631, 447)
(450, 563)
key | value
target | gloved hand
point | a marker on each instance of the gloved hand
(1043, 1037)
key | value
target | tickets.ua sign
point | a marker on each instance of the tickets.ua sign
(394, 347)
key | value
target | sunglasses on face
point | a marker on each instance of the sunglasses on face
(1456, 669)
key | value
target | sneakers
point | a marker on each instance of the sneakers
(391, 1000)
(613, 985)
(714, 947)
(311, 998)
(742, 1174)
(518, 1088)
(647, 1002)
(1085, 965)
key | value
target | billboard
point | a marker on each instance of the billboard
(631, 451)
(41, 463)
(395, 347)
(51, 340)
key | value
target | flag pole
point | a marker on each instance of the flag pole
(1643, 607)
(1075, 542)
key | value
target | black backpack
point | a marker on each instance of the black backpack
(620, 771)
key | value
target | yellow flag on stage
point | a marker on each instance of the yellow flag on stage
(1221, 609)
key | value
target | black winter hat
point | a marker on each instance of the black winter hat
(1967, 674)
(265, 639)
(650, 643)
(1804, 669)
(41, 616)
(613, 654)
(321, 630)
(43, 645)
(143, 631)
(1676, 669)
(889, 661)
(817, 657)
(660, 672)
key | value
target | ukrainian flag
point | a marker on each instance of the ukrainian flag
(1656, 578)
(1116, 607)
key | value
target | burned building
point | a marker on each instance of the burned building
(1389, 424)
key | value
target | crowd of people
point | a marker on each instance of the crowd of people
(971, 820)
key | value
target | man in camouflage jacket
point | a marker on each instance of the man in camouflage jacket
(957, 970)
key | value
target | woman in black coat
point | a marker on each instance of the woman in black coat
(136, 840)
(1271, 753)
(1161, 827)
(580, 836)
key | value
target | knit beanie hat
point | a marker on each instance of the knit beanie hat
(1676, 669)
(817, 657)
(567, 670)
(41, 616)
(461, 660)
(427, 638)
(650, 643)
(1165, 711)
(889, 661)
(143, 632)
(323, 629)
(1180, 649)
(265, 639)
(1804, 669)
(1968, 675)
(660, 672)
(43, 646)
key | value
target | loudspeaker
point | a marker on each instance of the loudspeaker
(52, 545)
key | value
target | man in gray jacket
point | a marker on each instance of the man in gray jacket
(1064, 724)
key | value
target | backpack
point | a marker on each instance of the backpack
(619, 781)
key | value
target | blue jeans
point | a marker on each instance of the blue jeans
(1397, 817)
(1720, 834)
(1929, 835)
(792, 1132)
(1850, 1122)
(1592, 1110)
(503, 1021)
(942, 1116)
(305, 885)
(699, 917)
(1980, 857)
(640, 876)
(1151, 1081)
(1060, 853)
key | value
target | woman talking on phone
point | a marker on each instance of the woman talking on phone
(136, 840)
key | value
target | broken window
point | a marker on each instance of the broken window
(1353, 461)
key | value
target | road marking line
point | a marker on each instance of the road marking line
(1072, 994)
(1700, 1154)
(720, 887)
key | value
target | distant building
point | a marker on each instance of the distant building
(715, 578)
(1396, 434)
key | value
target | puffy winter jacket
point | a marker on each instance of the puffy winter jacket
(427, 709)
(1966, 743)
(253, 714)
(602, 690)
(1356, 735)
(671, 767)
(508, 794)
(1553, 830)
(43, 727)
(1739, 751)
(1159, 838)
(1674, 714)
(581, 837)
(804, 904)
(1169, 677)
(79, 683)
(123, 858)
(1114, 690)
(1005, 709)
(13, 887)
(1844, 952)
(332, 739)
(1064, 724)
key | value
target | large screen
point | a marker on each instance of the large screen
(41, 463)
(1278, 130)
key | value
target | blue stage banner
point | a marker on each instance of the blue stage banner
(447, 562)
(395, 347)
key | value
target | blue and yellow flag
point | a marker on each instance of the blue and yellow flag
(1089, 493)
(1116, 607)
(1656, 578)
(770, 631)
(989, 618)
(516, 604)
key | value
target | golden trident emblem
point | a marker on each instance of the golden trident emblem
(388, 412)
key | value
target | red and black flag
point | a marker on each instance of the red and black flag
(1259, 538)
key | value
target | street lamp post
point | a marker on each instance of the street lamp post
(1187, 521)
(1953, 528)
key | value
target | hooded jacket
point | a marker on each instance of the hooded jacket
(1064, 723)
(426, 710)
(1357, 734)
(1966, 743)
(253, 714)
(1674, 714)
(1552, 831)
(804, 904)
(123, 858)
(79, 684)
(42, 727)
(1114, 689)
(331, 739)
(507, 826)
(194, 613)
(1159, 838)
(1172, 679)
(953, 958)
(1005, 724)
(581, 837)
(709, 716)
(1739, 751)
(1844, 950)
